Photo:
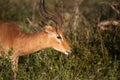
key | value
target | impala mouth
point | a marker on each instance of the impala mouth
(67, 53)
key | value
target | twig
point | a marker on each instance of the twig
(33, 25)
(102, 25)
(112, 5)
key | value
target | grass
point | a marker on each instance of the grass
(87, 62)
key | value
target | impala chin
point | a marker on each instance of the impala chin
(67, 52)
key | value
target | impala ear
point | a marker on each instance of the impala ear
(49, 29)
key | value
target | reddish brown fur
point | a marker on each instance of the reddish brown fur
(11, 36)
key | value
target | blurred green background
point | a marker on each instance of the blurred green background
(96, 52)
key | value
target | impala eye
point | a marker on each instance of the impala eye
(59, 37)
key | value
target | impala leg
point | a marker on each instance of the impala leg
(15, 67)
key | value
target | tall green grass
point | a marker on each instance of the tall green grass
(88, 61)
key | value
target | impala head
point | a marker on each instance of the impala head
(56, 37)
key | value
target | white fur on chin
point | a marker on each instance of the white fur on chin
(66, 53)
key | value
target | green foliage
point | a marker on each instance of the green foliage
(5, 69)
(96, 53)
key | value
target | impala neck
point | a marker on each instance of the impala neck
(35, 42)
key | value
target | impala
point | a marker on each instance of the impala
(11, 36)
